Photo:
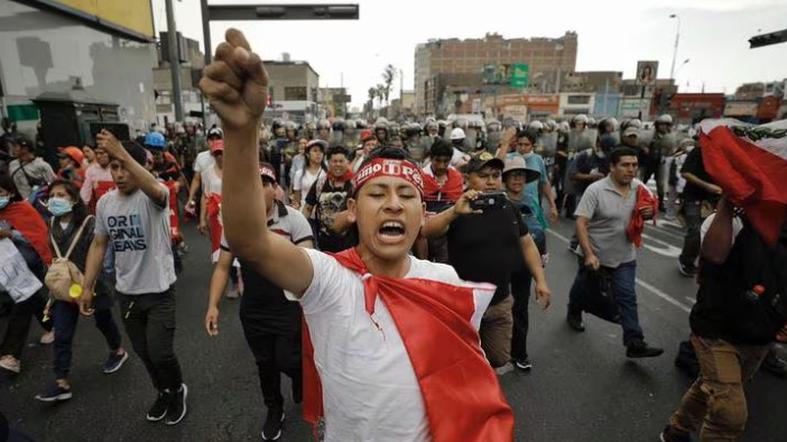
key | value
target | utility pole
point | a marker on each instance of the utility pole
(206, 43)
(174, 61)
(675, 51)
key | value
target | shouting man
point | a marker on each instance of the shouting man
(374, 314)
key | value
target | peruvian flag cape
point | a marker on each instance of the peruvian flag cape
(213, 209)
(750, 164)
(462, 397)
(451, 190)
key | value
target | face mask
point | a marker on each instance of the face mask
(4, 200)
(527, 155)
(59, 206)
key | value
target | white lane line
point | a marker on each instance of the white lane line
(665, 232)
(640, 282)
(667, 250)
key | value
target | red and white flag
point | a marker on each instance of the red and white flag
(750, 164)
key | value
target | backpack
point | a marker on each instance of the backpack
(63, 273)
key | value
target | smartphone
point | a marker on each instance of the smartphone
(489, 201)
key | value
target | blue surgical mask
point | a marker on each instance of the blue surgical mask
(4, 200)
(59, 206)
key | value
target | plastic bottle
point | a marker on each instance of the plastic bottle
(75, 291)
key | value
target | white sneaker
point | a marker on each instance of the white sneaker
(233, 293)
(11, 364)
(47, 338)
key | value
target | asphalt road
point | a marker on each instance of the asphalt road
(582, 388)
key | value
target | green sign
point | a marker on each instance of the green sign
(22, 112)
(519, 75)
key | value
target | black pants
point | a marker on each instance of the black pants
(19, 323)
(692, 212)
(65, 316)
(150, 324)
(276, 350)
(520, 289)
(652, 167)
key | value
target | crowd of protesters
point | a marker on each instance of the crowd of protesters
(308, 217)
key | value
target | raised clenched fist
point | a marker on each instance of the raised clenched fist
(236, 83)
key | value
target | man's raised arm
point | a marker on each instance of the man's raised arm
(237, 85)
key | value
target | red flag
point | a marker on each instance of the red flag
(461, 393)
(750, 164)
(24, 218)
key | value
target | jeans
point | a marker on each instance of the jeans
(692, 212)
(150, 324)
(715, 405)
(64, 317)
(625, 295)
(495, 332)
(19, 323)
(520, 289)
(274, 353)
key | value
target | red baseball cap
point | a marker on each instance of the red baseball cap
(72, 152)
(216, 146)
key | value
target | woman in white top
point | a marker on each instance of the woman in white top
(306, 177)
(299, 160)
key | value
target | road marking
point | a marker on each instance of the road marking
(639, 282)
(667, 250)
(665, 232)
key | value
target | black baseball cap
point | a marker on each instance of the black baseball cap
(23, 141)
(484, 160)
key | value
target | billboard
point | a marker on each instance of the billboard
(133, 18)
(514, 75)
(646, 72)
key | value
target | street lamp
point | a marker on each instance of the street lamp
(675, 51)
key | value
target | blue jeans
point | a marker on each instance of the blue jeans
(65, 316)
(623, 290)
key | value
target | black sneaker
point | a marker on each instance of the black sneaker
(523, 364)
(574, 321)
(670, 434)
(159, 408)
(273, 424)
(114, 362)
(775, 365)
(639, 349)
(177, 406)
(688, 271)
(54, 393)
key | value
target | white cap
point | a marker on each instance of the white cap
(581, 118)
(664, 119)
(457, 134)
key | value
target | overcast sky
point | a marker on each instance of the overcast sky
(613, 35)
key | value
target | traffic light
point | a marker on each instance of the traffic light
(771, 38)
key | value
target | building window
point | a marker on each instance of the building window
(578, 99)
(297, 93)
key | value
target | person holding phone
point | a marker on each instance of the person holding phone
(487, 240)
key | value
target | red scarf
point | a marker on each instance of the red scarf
(637, 223)
(214, 223)
(462, 397)
(450, 191)
(24, 218)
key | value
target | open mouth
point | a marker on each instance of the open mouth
(392, 230)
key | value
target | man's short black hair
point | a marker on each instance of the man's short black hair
(529, 134)
(386, 152)
(620, 152)
(441, 148)
(337, 150)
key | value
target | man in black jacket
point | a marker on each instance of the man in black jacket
(740, 309)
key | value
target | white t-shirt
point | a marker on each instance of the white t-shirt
(737, 226)
(203, 161)
(459, 158)
(139, 233)
(304, 180)
(211, 181)
(370, 391)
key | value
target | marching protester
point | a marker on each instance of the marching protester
(133, 220)
(71, 233)
(29, 172)
(71, 160)
(21, 224)
(488, 245)
(603, 216)
(369, 391)
(98, 180)
(368, 144)
(661, 146)
(517, 174)
(203, 161)
(271, 322)
(313, 170)
(443, 186)
(327, 200)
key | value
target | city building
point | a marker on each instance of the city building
(693, 108)
(575, 103)
(333, 101)
(191, 61)
(648, 102)
(464, 63)
(402, 108)
(101, 51)
(753, 91)
(293, 91)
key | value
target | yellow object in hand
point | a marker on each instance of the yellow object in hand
(75, 291)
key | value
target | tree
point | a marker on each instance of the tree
(372, 93)
(389, 74)
(381, 93)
